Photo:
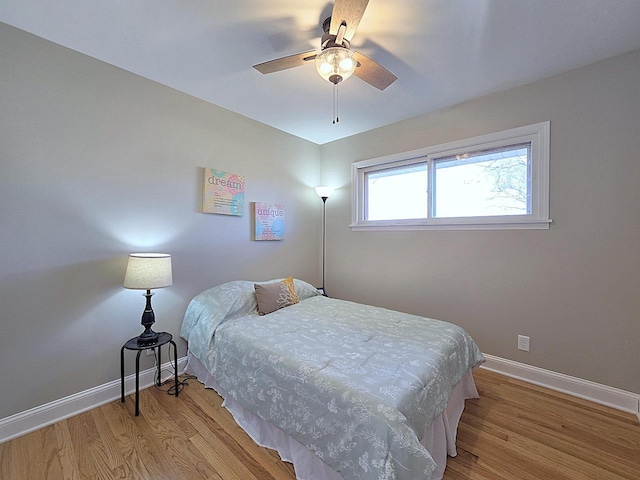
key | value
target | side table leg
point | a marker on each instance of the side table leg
(175, 366)
(122, 375)
(138, 383)
(158, 379)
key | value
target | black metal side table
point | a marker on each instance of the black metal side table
(132, 344)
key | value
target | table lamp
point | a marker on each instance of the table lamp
(146, 271)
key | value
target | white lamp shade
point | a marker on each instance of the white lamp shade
(324, 191)
(146, 271)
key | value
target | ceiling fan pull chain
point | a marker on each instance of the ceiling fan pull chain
(333, 104)
(337, 105)
(336, 119)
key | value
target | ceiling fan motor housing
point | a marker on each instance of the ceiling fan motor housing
(329, 40)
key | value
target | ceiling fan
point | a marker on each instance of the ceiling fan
(336, 61)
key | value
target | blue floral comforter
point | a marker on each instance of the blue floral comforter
(355, 384)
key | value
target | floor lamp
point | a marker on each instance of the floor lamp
(324, 192)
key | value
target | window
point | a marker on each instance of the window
(398, 192)
(497, 181)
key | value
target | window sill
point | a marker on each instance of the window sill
(457, 224)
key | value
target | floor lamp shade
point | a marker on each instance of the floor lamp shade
(147, 271)
(324, 192)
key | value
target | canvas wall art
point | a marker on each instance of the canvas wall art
(222, 193)
(269, 221)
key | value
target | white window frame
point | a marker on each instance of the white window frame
(537, 135)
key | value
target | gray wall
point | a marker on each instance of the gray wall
(95, 163)
(574, 289)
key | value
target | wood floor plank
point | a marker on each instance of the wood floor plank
(5, 460)
(221, 447)
(157, 423)
(514, 431)
(210, 403)
(128, 433)
(49, 451)
(573, 429)
(14, 459)
(469, 467)
(65, 451)
(128, 440)
(35, 445)
(106, 448)
(546, 432)
(83, 434)
(15, 454)
(224, 461)
(568, 438)
(227, 467)
(500, 456)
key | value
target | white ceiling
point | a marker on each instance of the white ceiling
(443, 51)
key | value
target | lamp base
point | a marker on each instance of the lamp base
(147, 338)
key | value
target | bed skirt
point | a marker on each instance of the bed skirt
(439, 439)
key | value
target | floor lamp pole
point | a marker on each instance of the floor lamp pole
(324, 239)
(323, 192)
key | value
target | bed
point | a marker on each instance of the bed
(342, 390)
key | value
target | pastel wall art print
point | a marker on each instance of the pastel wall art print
(269, 221)
(223, 193)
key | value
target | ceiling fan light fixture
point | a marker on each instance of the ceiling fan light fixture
(325, 68)
(335, 64)
(347, 64)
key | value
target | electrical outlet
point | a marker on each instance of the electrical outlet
(523, 343)
(150, 351)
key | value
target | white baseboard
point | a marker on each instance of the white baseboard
(52, 412)
(577, 387)
(47, 414)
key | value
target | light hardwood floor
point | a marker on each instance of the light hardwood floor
(513, 431)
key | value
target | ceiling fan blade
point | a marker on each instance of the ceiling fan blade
(373, 73)
(349, 12)
(285, 62)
